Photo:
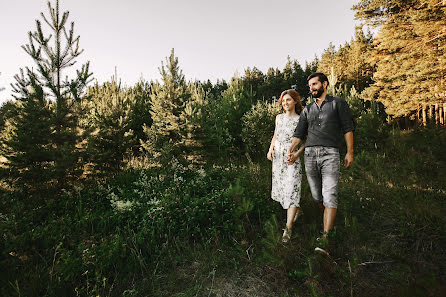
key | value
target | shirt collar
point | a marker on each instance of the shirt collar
(328, 98)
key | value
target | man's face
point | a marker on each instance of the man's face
(316, 87)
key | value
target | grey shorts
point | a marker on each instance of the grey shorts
(322, 169)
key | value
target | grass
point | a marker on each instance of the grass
(390, 232)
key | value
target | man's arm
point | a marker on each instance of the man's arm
(294, 144)
(292, 157)
(348, 161)
(300, 132)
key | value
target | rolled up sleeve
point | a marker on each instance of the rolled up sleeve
(346, 117)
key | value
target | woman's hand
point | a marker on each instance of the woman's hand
(293, 157)
(270, 154)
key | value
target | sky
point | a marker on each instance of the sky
(213, 39)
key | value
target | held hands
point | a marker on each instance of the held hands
(292, 157)
(270, 154)
(348, 161)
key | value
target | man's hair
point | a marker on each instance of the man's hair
(322, 77)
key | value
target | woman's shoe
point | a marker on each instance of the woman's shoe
(322, 246)
(286, 235)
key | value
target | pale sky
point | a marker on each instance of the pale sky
(213, 39)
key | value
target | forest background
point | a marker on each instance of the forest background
(162, 188)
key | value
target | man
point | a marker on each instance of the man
(321, 123)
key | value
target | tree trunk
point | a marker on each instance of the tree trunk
(424, 111)
(444, 113)
(419, 113)
(437, 115)
(441, 113)
(431, 107)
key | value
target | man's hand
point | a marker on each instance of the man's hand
(291, 158)
(348, 161)
(270, 155)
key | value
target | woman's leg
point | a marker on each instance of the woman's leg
(291, 213)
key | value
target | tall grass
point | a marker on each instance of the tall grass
(214, 231)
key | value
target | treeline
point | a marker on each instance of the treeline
(61, 129)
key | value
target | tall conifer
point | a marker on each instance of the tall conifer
(168, 100)
(109, 115)
(409, 53)
(26, 141)
(53, 54)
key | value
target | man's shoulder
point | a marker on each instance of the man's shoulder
(336, 99)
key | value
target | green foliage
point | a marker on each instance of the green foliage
(371, 131)
(111, 118)
(258, 127)
(350, 61)
(222, 124)
(167, 105)
(63, 95)
(27, 142)
(408, 53)
(272, 242)
(140, 115)
(219, 225)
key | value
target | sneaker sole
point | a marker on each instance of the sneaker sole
(321, 251)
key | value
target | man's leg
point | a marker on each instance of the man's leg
(313, 173)
(330, 176)
(329, 219)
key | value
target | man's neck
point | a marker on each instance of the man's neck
(321, 98)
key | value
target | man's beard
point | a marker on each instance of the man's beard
(319, 93)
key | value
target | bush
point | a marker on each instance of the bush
(258, 128)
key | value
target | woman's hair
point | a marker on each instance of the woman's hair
(295, 95)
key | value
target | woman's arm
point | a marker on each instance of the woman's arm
(270, 154)
(293, 156)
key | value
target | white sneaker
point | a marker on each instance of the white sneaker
(321, 251)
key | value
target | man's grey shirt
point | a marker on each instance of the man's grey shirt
(324, 124)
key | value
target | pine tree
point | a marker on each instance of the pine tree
(350, 61)
(63, 94)
(193, 117)
(26, 141)
(409, 53)
(167, 103)
(328, 60)
(222, 126)
(140, 112)
(110, 116)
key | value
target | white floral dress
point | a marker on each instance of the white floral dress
(286, 179)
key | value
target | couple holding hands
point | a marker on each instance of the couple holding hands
(316, 132)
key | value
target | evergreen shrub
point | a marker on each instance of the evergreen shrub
(258, 127)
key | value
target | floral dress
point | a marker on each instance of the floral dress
(286, 179)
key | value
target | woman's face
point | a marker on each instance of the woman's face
(288, 103)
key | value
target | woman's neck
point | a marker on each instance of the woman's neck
(291, 113)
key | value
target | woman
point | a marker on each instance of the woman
(286, 179)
